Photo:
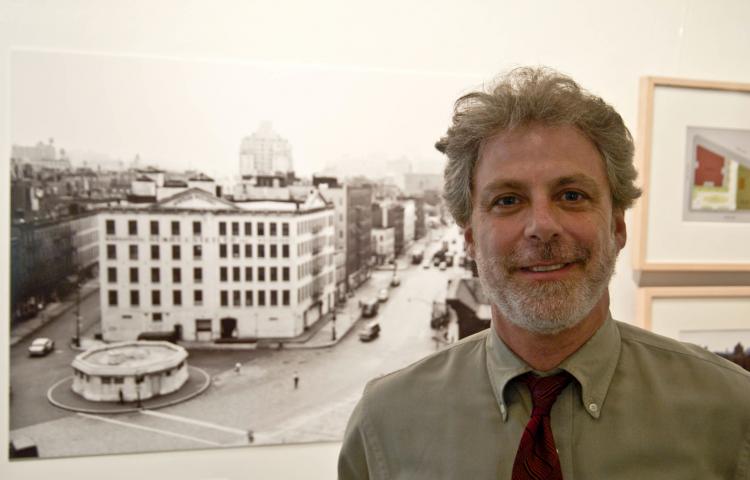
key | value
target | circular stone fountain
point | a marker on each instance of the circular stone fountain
(129, 371)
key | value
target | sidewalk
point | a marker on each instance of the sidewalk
(51, 312)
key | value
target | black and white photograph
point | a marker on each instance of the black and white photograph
(210, 254)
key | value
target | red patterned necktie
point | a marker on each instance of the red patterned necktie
(537, 456)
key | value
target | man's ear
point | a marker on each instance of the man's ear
(619, 227)
(469, 241)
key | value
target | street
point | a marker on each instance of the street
(261, 397)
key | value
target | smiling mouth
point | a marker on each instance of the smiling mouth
(546, 268)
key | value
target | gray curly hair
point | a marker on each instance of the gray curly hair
(524, 96)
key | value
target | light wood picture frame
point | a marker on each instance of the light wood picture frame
(665, 241)
(701, 315)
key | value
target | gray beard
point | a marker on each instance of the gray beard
(547, 308)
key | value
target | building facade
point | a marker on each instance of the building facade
(213, 270)
(383, 242)
(359, 251)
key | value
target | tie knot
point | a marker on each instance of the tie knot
(544, 390)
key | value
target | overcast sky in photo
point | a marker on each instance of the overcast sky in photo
(192, 114)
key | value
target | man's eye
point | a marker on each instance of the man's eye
(572, 196)
(507, 201)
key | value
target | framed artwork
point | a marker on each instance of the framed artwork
(717, 318)
(693, 156)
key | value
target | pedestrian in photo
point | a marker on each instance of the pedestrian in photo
(539, 176)
(296, 380)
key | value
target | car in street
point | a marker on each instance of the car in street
(443, 265)
(369, 307)
(41, 347)
(382, 295)
(370, 331)
(395, 281)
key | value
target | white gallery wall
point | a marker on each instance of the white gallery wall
(605, 45)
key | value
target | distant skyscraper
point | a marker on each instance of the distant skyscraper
(265, 152)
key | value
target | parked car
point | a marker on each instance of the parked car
(395, 281)
(382, 295)
(443, 265)
(369, 307)
(370, 331)
(41, 347)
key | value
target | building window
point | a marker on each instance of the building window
(176, 275)
(248, 250)
(285, 274)
(261, 251)
(197, 297)
(154, 227)
(249, 298)
(133, 251)
(236, 274)
(197, 252)
(132, 227)
(223, 250)
(197, 275)
(261, 230)
(222, 229)
(134, 298)
(285, 251)
(236, 250)
(285, 300)
(237, 298)
(272, 227)
(274, 298)
(175, 252)
(235, 228)
(175, 228)
(134, 275)
(224, 298)
(273, 251)
(196, 228)
(261, 298)
(222, 274)
(155, 297)
(285, 229)
(261, 274)
(248, 229)
(154, 252)
(177, 298)
(273, 272)
(111, 252)
(155, 276)
(112, 275)
(157, 318)
(110, 227)
(248, 274)
(112, 298)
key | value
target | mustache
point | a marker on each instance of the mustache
(552, 251)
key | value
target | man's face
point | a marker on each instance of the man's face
(542, 230)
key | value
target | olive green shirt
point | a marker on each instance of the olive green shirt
(642, 406)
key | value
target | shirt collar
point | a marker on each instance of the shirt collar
(593, 366)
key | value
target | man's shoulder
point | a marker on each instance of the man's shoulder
(464, 361)
(666, 352)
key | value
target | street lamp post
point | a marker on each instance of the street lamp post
(77, 338)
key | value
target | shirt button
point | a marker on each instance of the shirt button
(593, 408)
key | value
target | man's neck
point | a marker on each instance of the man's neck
(545, 352)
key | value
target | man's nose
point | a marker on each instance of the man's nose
(542, 223)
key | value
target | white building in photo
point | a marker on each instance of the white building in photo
(265, 152)
(384, 243)
(211, 269)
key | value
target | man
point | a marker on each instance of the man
(539, 176)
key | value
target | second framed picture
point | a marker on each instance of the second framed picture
(693, 156)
